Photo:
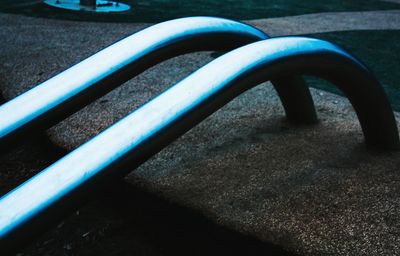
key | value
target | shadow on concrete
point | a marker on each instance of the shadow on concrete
(124, 220)
(127, 221)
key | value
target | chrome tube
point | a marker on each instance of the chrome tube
(131, 141)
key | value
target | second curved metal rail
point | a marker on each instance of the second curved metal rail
(131, 141)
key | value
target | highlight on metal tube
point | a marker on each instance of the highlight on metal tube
(131, 141)
(67, 92)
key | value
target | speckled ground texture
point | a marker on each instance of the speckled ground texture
(313, 190)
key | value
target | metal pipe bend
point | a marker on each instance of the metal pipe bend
(144, 132)
(261, 61)
(67, 92)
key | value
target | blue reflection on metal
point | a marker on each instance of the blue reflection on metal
(36, 106)
(189, 102)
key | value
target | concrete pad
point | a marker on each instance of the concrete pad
(314, 190)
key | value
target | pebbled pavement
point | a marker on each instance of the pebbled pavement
(313, 190)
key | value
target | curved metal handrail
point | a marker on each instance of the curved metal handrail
(67, 92)
(141, 134)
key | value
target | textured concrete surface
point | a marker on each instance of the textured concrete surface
(124, 220)
(327, 22)
(314, 190)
